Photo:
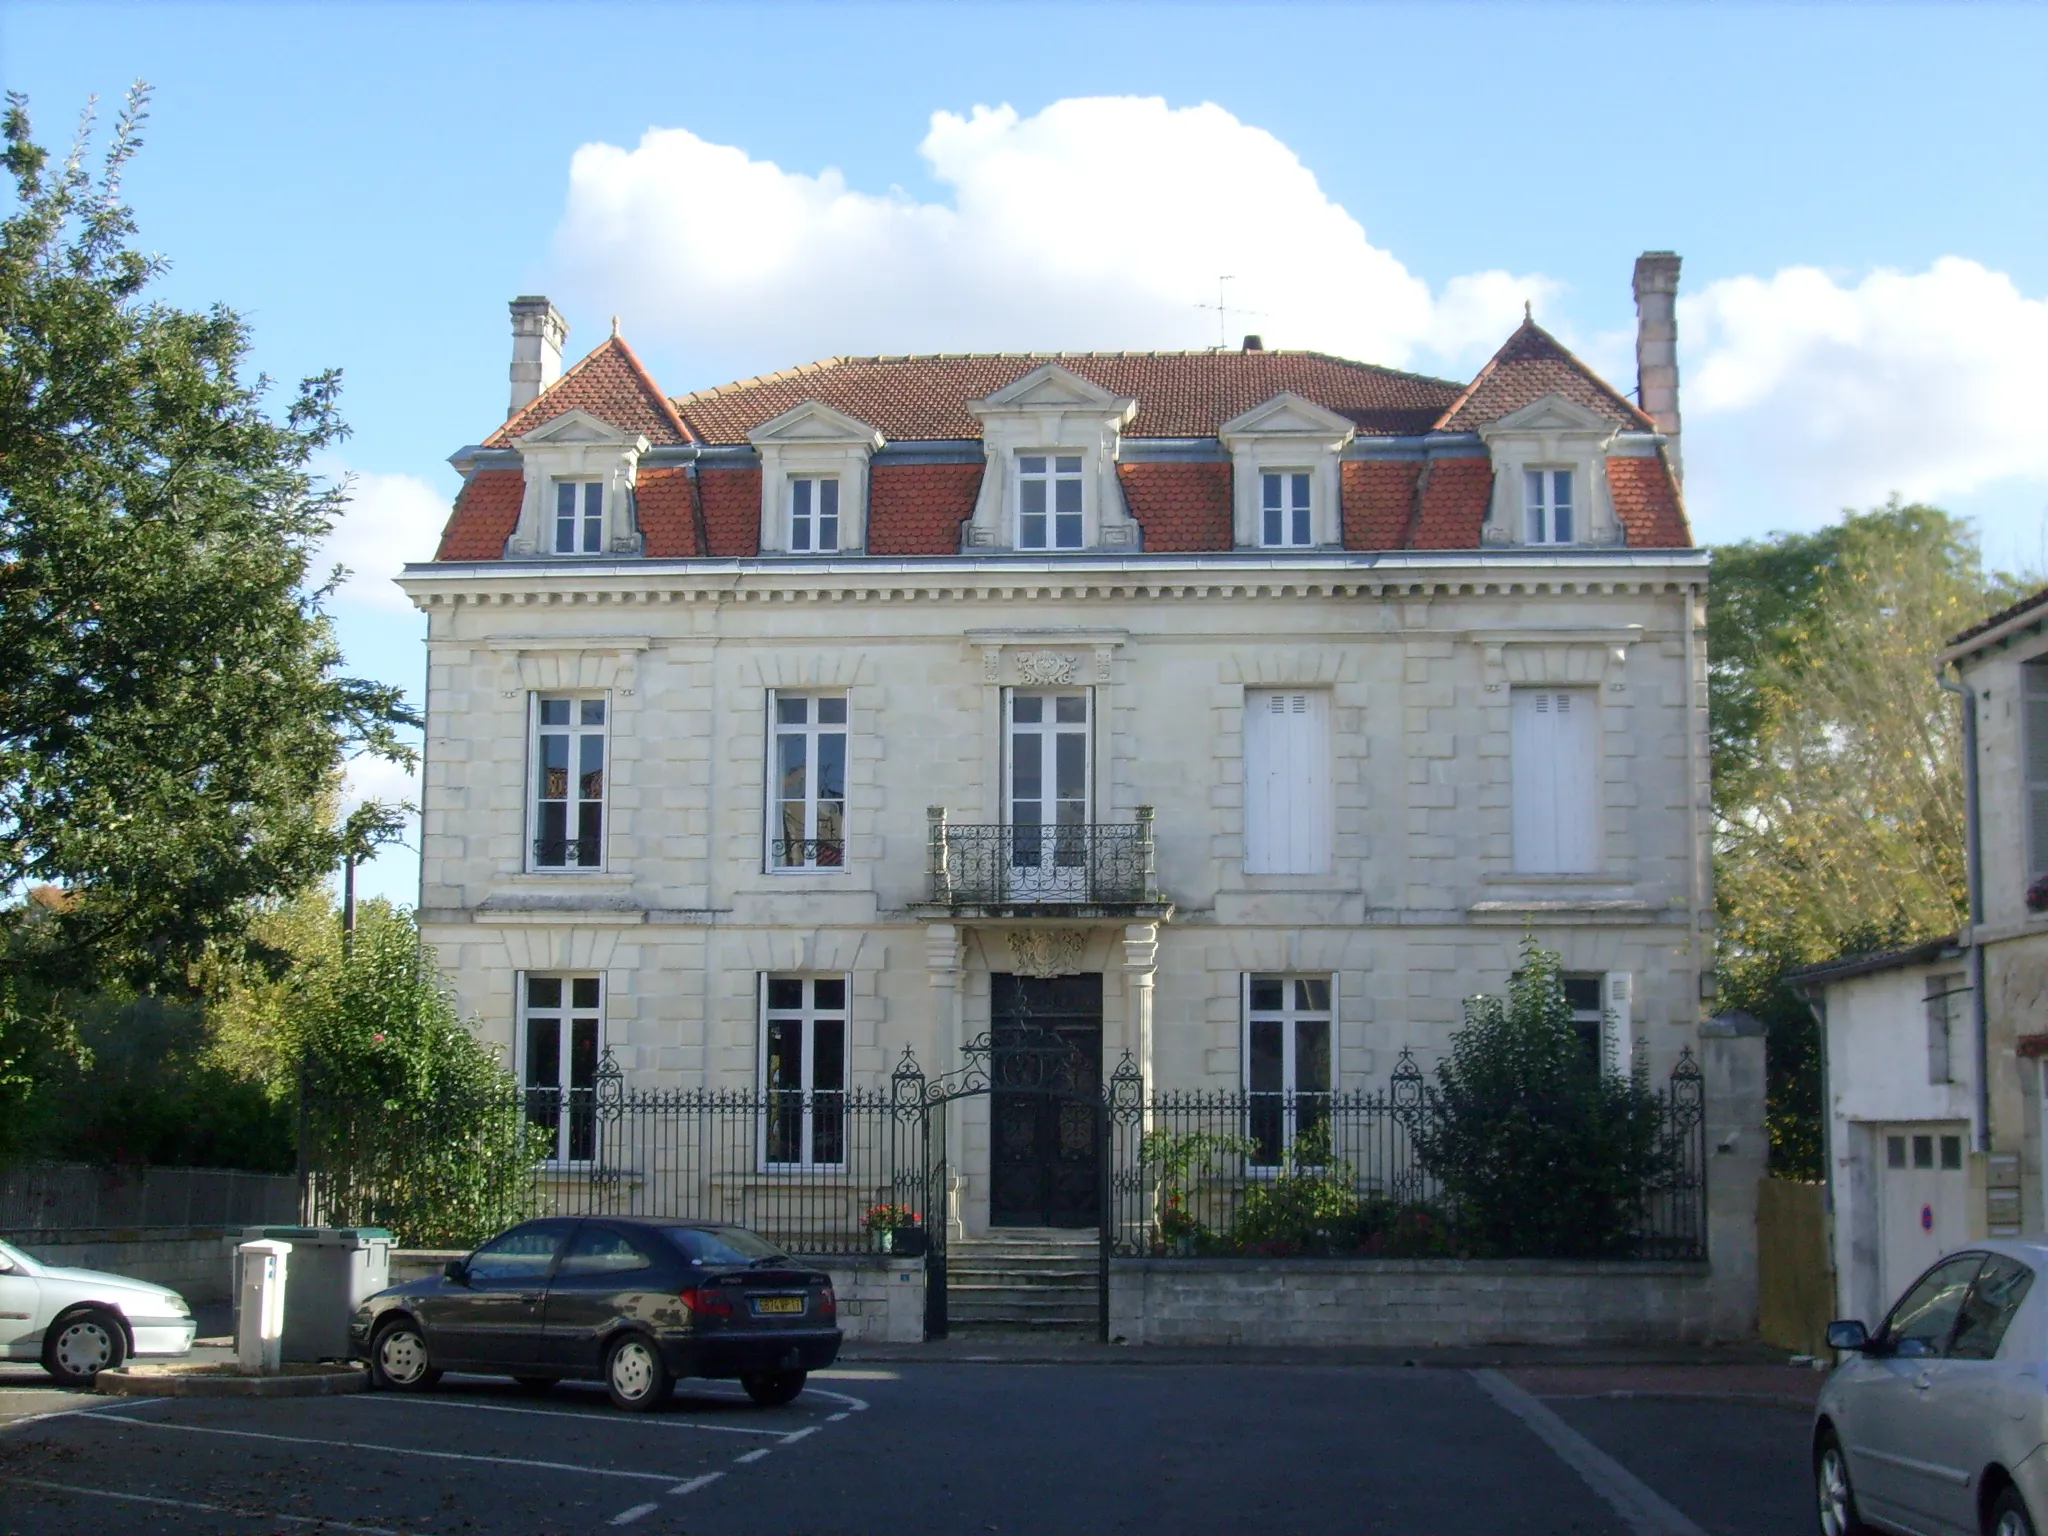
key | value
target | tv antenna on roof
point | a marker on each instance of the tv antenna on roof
(1224, 310)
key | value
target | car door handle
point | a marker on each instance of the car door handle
(532, 1299)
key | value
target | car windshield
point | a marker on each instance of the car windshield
(723, 1245)
(16, 1257)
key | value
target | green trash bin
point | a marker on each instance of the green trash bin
(330, 1272)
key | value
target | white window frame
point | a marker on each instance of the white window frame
(577, 731)
(1319, 859)
(586, 519)
(811, 730)
(1291, 1093)
(1521, 837)
(1052, 478)
(806, 1016)
(1540, 503)
(1060, 870)
(1293, 516)
(813, 522)
(567, 1013)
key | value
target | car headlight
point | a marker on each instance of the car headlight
(176, 1304)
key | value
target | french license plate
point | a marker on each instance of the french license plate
(777, 1306)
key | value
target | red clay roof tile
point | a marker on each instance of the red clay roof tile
(612, 385)
(1180, 506)
(732, 510)
(1179, 394)
(1529, 365)
(1455, 493)
(486, 511)
(1379, 502)
(1647, 501)
(917, 509)
(668, 522)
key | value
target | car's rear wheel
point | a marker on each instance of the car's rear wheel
(635, 1375)
(2009, 1515)
(772, 1389)
(399, 1361)
(1834, 1497)
(81, 1344)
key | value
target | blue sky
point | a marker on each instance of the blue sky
(1857, 193)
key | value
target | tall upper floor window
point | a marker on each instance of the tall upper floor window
(561, 1021)
(813, 514)
(1284, 520)
(579, 517)
(807, 798)
(1048, 501)
(568, 782)
(1555, 765)
(1287, 810)
(1547, 505)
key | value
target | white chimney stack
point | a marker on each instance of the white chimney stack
(538, 331)
(1657, 345)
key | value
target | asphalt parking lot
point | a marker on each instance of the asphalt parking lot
(942, 1448)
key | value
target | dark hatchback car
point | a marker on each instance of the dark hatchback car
(635, 1304)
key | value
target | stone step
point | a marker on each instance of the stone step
(972, 1328)
(1052, 1271)
(1023, 1299)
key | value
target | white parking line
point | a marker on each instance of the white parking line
(834, 1418)
(204, 1509)
(559, 1413)
(389, 1450)
(694, 1484)
(752, 1456)
(854, 1403)
(627, 1517)
(66, 1413)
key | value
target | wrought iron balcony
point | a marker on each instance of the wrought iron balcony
(567, 852)
(1065, 868)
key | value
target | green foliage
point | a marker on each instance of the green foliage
(173, 710)
(1838, 793)
(1310, 1206)
(1540, 1152)
(1186, 1161)
(412, 1124)
(37, 1043)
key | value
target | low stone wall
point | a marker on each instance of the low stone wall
(881, 1299)
(196, 1262)
(1409, 1303)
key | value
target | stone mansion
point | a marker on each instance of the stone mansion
(1240, 710)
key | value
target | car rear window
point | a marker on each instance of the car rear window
(723, 1245)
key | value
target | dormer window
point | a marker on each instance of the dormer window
(1547, 505)
(579, 517)
(1284, 509)
(1049, 501)
(813, 514)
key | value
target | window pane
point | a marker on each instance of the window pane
(1067, 531)
(792, 755)
(785, 993)
(544, 1053)
(1299, 487)
(1273, 525)
(1031, 533)
(582, 991)
(1070, 464)
(1067, 496)
(828, 1067)
(2001, 1286)
(800, 498)
(583, 1053)
(831, 765)
(600, 1251)
(1895, 1151)
(1561, 525)
(590, 770)
(543, 991)
(1269, 491)
(592, 711)
(1919, 1324)
(1032, 498)
(554, 767)
(828, 994)
(1312, 1056)
(1026, 770)
(1923, 1151)
(785, 1055)
(1264, 1064)
(1582, 994)
(1532, 487)
(1071, 761)
(792, 711)
(1301, 529)
(589, 831)
(831, 711)
(828, 498)
(554, 711)
(1561, 488)
(1951, 1151)
(1312, 996)
(565, 498)
(1268, 993)
(1027, 709)
(1033, 464)
(1070, 709)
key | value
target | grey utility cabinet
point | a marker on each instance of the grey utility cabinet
(327, 1276)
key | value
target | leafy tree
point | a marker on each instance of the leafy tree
(172, 712)
(1541, 1153)
(1838, 793)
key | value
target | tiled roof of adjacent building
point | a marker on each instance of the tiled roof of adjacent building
(612, 385)
(2004, 616)
(1179, 394)
(1532, 363)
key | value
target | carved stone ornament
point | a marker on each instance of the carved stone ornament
(1045, 669)
(1047, 952)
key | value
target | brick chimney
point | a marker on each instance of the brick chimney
(1657, 344)
(538, 331)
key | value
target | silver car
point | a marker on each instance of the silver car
(1937, 1424)
(80, 1322)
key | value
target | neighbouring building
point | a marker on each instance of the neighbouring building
(1236, 710)
(1932, 1054)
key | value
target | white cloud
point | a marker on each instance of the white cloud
(390, 519)
(1098, 222)
(1804, 393)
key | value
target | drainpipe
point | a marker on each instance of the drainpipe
(1973, 851)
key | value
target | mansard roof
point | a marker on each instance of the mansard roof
(1533, 363)
(611, 384)
(1179, 394)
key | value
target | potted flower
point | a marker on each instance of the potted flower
(896, 1230)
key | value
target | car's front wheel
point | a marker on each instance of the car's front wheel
(772, 1389)
(81, 1344)
(635, 1375)
(1835, 1498)
(2009, 1515)
(399, 1361)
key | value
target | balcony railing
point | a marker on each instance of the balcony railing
(1081, 864)
(567, 852)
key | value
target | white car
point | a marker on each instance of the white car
(80, 1322)
(1938, 1422)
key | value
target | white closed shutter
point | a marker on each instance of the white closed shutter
(2035, 689)
(1555, 765)
(1287, 811)
(1619, 1024)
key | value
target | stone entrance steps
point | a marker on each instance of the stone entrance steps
(1023, 1280)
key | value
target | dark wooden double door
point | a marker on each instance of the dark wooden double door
(1045, 1100)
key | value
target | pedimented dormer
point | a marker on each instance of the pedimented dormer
(1550, 475)
(814, 480)
(1052, 440)
(580, 476)
(1284, 474)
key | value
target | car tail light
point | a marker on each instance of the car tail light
(704, 1302)
(828, 1304)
